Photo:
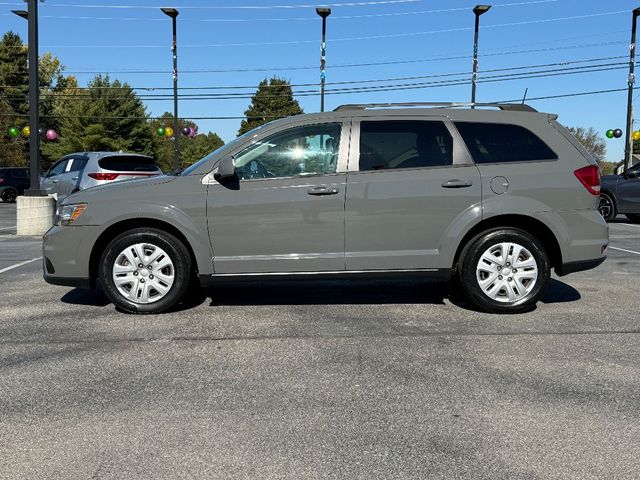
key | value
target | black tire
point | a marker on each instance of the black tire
(174, 248)
(9, 196)
(470, 260)
(634, 217)
(607, 207)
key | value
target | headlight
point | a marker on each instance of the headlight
(67, 214)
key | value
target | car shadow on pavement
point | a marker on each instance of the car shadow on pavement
(323, 292)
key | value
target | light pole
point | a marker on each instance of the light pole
(628, 149)
(324, 13)
(173, 13)
(478, 10)
(34, 99)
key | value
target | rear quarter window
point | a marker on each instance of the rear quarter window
(503, 143)
(124, 163)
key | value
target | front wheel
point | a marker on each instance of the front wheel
(634, 217)
(606, 207)
(145, 271)
(504, 271)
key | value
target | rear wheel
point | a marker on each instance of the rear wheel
(145, 271)
(634, 217)
(607, 207)
(504, 271)
(9, 196)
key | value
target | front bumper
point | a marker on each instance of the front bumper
(66, 255)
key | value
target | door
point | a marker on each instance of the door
(69, 180)
(52, 178)
(284, 211)
(408, 182)
(629, 190)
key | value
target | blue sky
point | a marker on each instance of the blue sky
(92, 35)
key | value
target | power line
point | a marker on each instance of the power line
(308, 18)
(225, 7)
(549, 97)
(382, 88)
(350, 65)
(349, 39)
(348, 82)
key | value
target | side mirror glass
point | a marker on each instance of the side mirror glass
(226, 169)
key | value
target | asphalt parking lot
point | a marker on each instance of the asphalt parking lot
(320, 380)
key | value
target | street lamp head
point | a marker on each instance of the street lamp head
(480, 9)
(323, 12)
(21, 13)
(636, 12)
(171, 12)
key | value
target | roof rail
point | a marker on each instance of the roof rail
(513, 107)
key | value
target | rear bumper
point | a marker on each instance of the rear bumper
(579, 266)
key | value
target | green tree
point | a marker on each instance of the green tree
(12, 150)
(108, 115)
(273, 99)
(591, 141)
(14, 77)
(191, 149)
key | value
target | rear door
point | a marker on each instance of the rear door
(409, 182)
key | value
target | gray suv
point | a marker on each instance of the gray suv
(491, 197)
(79, 171)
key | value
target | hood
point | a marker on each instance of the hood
(128, 188)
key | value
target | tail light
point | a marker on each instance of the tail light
(590, 178)
(1, 180)
(104, 176)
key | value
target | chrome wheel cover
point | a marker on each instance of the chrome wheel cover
(605, 207)
(507, 272)
(143, 273)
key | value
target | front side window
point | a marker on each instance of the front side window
(308, 150)
(502, 143)
(58, 168)
(404, 144)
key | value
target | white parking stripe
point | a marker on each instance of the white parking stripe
(7, 228)
(18, 265)
(612, 248)
(630, 225)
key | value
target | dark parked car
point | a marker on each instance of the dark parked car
(13, 182)
(621, 194)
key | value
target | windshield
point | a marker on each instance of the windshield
(219, 151)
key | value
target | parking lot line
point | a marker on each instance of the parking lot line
(7, 228)
(18, 265)
(612, 248)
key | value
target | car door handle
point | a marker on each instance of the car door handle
(457, 183)
(322, 190)
(74, 178)
(54, 181)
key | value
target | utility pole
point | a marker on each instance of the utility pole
(628, 148)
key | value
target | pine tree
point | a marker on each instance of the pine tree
(106, 116)
(14, 76)
(273, 100)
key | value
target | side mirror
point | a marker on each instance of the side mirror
(630, 174)
(226, 169)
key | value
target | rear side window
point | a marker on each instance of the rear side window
(502, 143)
(124, 163)
(404, 144)
(78, 164)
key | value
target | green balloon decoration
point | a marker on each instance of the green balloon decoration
(161, 131)
(609, 134)
(13, 132)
